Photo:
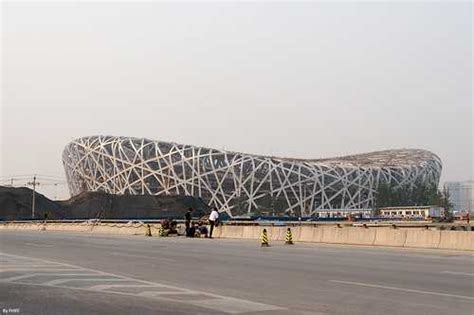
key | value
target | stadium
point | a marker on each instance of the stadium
(240, 183)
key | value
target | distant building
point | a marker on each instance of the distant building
(344, 213)
(461, 195)
(412, 212)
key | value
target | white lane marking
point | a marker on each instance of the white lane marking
(46, 274)
(32, 265)
(36, 269)
(17, 277)
(219, 303)
(235, 306)
(143, 256)
(459, 273)
(158, 293)
(101, 287)
(61, 281)
(370, 285)
(39, 245)
(213, 301)
(388, 251)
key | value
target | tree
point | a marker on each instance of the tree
(419, 194)
(273, 205)
(384, 197)
(443, 200)
(240, 206)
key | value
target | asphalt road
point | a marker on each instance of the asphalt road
(79, 273)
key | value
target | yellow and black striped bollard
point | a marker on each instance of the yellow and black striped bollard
(161, 231)
(264, 238)
(148, 230)
(289, 237)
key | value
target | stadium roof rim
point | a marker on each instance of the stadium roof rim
(405, 157)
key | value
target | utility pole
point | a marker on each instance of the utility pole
(34, 183)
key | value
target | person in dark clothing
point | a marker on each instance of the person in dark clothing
(191, 231)
(187, 219)
(173, 227)
(165, 223)
(202, 229)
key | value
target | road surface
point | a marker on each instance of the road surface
(80, 273)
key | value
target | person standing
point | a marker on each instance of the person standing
(187, 219)
(213, 220)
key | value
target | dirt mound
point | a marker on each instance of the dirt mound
(15, 204)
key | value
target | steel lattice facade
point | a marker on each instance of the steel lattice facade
(241, 183)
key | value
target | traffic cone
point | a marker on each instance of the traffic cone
(265, 238)
(148, 230)
(161, 231)
(289, 237)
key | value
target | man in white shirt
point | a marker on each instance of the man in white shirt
(213, 220)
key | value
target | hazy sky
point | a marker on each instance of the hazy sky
(292, 79)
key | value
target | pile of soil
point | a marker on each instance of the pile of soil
(15, 204)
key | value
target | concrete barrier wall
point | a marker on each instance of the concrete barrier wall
(422, 238)
(229, 231)
(381, 236)
(275, 233)
(120, 229)
(456, 240)
(250, 232)
(361, 236)
(23, 226)
(295, 231)
(67, 227)
(334, 235)
(309, 234)
(390, 237)
(101, 228)
(385, 236)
